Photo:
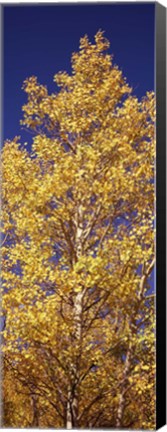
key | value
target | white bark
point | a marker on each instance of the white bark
(72, 404)
(121, 404)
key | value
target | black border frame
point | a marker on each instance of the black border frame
(160, 84)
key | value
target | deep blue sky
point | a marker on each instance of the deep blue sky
(39, 40)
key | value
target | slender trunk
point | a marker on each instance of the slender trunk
(121, 404)
(35, 420)
(120, 411)
(72, 404)
(69, 420)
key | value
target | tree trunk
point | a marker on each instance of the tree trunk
(121, 404)
(35, 420)
(69, 419)
(72, 403)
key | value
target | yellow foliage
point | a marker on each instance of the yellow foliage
(78, 252)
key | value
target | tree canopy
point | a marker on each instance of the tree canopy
(78, 252)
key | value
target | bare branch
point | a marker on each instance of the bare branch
(146, 274)
(4, 240)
